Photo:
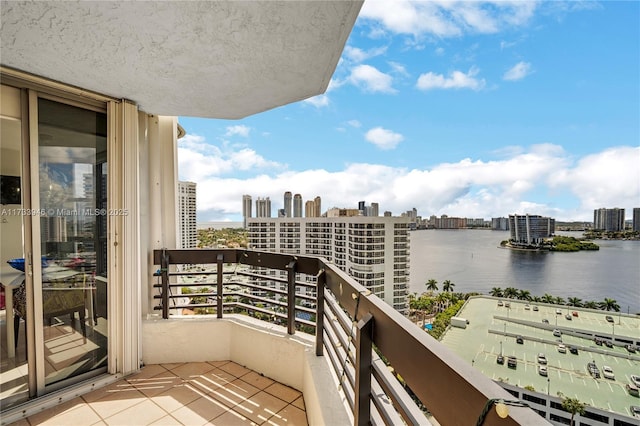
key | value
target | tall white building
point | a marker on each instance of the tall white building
(373, 250)
(609, 219)
(297, 205)
(187, 234)
(287, 204)
(246, 208)
(530, 229)
(263, 207)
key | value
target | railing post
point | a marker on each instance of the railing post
(164, 272)
(362, 406)
(321, 280)
(291, 297)
(219, 271)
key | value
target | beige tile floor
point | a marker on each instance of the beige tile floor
(201, 393)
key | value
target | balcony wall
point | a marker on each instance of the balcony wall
(263, 347)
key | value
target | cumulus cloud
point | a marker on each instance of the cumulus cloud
(455, 80)
(446, 19)
(355, 54)
(518, 71)
(240, 130)
(370, 79)
(354, 123)
(383, 138)
(318, 101)
(534, 179)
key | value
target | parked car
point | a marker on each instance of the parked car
(635, 411)
(562, 348)
(500, 360)
(573, 350)
(597, 341)
(568, 317)
(519, 340)
(558, 311)
(635, 379)
(630, 348)
(593, 370)
(545, 321)
(608, 343)
(632, 389)
(527, 307)
(542, 359)
(607, 372)
(512, 362)
(507, 304)
(609, 318)
(535, 308)
(557, 332)
(574, 313)
(500, 303)
(542, 370)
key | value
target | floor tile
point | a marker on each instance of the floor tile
(200, 411)
(289, 416)
(299, 403)
(140, 414)
(283, 392)
(260, 407)
(231, 418)
(177, 396)
(234, 393)
(166, 421)
(156, 385)
(212, 380)
(58, 412)
(146, 372)
(257, 380)
(192, 369)
(115, 402)
(218, 363)
(79, 415)
(235, 369)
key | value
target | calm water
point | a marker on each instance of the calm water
(472, 260)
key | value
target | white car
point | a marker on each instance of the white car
(562, 348)
(542, 370)
(635, 379)
(542, 359)
(607, 372)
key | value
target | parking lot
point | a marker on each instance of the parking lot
(492, 330)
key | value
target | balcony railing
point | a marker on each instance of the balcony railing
(391, 372)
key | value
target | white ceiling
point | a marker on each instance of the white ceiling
(213, 59)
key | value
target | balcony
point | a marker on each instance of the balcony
(346, 356)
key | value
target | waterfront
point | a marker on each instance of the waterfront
(472, 260)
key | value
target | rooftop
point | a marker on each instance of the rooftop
(493, 328)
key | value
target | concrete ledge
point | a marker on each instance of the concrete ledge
(263, 347)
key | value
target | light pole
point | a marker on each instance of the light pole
(548, 384)
(501, 348)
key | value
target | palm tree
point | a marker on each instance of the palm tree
(496, 292)
(510, 292)
(524, 295)
(547, 298)
(609, 305)
(591, 304)
(575, 301)
(432, 285)
(447, 285)
(572, 405)
(536, 299)
(560, 301)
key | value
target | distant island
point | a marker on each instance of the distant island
(557, 243)
(598, 234)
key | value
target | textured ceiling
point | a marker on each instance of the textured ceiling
(205, 59)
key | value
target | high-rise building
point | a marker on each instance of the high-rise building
(608, 219)
(287, 204)
(636, 219)
(530, 229)
(499, 224)
(373, 250)
(375, 209)
(297, 205)
(361, 207)
(317, 202)
(263, 207)
(187, 231)
(246, 209)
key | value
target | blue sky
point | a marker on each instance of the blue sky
(472, 109)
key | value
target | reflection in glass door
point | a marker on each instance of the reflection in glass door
(72, 155)
(14, 383)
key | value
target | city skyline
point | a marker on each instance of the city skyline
(479, 109)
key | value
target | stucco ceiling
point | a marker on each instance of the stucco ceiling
(206, 59)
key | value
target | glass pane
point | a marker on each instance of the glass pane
(72, 168)
(13, 355)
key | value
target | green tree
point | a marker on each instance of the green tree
(447, 285)
(572, 405)
(510, 292)
(591, 304)
(547, 298)
(609, 305)
(496, 292)
(524, 295)
(575, 301)
(559, 301)
(432, 285)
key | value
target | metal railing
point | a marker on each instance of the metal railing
(390, 371)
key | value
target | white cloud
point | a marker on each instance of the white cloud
(440, 51)
(383, 138)
(354, 123)
(455, 80)
(446, 18)
(318, 101)
(518, 71)
(355, 54)
(240, 130)
(398, 68)
(370, 79)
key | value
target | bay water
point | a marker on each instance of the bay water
(474, 262)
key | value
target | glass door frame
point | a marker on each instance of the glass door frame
(36, 340)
